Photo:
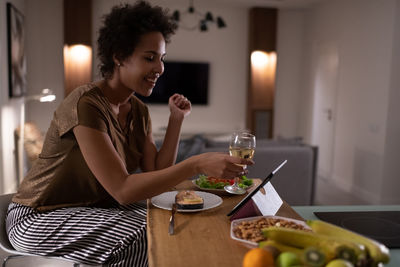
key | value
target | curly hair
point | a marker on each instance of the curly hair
(124, 26)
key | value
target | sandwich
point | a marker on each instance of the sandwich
(188, 200)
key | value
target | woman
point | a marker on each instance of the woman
(80, 199)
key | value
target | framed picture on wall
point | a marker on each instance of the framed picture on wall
(16, 51)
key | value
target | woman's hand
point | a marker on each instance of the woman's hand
(221, 165)
(179, 106)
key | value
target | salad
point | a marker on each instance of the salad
(218, 183)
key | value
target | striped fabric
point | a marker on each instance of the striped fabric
(95, 236)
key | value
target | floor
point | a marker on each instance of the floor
(326, 194)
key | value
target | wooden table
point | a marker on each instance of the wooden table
(200, 238)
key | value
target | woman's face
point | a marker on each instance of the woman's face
(140, 71)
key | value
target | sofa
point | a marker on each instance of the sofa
(295, 182)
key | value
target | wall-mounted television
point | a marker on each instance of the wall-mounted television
(187, 78)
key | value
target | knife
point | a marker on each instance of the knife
(172, 220)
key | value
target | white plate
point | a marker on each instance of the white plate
(165, 201)
(237, 222)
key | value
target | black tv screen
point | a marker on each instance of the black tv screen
(187, 78)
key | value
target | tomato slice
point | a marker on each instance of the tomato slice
(215, 180)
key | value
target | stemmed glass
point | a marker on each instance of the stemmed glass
(242, 145)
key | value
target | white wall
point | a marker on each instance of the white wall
(45, 35)
(290, 50)
(9, 108)
(44, 40)
(391, 182)
(225, 50)
(363, 31)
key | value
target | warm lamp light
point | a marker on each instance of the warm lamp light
(79, 53)
(263, 68)
(77, 66)
(261, 59)
(46, 95)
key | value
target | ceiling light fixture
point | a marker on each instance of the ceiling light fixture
(193, 19)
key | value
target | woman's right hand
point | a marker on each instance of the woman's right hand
(222, 165)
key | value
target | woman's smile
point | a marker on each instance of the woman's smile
(152, 79)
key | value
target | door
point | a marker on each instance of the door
(325, 83)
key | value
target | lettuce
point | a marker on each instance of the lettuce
(204, 182)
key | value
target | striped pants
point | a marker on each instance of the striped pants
(95, 236)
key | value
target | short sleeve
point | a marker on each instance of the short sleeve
(90, 115)
(146, 120)
(65, 116)
(148, 125)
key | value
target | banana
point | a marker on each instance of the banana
(331, 246)
(377, 251)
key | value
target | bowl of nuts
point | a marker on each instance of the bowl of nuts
(248, 230)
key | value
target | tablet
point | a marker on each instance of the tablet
(252, 193)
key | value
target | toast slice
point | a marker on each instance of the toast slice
(189, 200)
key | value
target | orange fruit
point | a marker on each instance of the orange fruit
(258, 257)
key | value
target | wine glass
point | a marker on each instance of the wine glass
(242, 145)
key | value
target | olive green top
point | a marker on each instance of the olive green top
(60, 176)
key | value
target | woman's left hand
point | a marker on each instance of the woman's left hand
(179, 105)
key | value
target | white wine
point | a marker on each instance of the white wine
(241, 152)
(242, 145)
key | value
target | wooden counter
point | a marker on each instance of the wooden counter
(201, 237)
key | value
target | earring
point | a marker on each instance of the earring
(119, 64)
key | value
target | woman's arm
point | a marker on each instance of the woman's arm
(180, 107)
(108, 168)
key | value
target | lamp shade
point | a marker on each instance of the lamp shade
(46, 95)
(47, 98)
(176, 15)
(220, 23)
(192, 19)
(203, 26)
(209, 16)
